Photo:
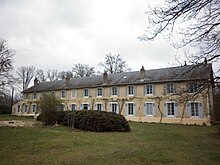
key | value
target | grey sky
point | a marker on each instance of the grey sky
(55, 34)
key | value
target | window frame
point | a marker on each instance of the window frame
(73, 93)
(170, 88)
(128, 90)
(98, 92)
(114, 91)
(85, 93)
(74, 106)
(63, 94)
(149, 89)
(147, 110)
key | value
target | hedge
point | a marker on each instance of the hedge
(98, 121)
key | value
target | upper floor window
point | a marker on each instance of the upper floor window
(148, 89)
(169, 88)
(193, 87)
(26, 96)
(62, 107)
(53, 93)
(34, 96)
(194, 109)
(63, 94)
(74, 93)
(99, 91)
(85, 92)
(114, 91)
(130, 90)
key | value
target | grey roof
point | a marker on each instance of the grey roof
(174, 74)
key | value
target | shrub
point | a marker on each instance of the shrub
(99, 121)
(5, 109)
(50, 110)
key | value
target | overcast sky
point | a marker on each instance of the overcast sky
(55, 34)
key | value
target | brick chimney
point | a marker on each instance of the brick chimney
(36, 81)
(105, 77)
(142, 73)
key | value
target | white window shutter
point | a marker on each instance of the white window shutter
(154, 109)
(200, 110)
(134, 109)
(145, 109)
(176, 109)
(165, 113)
(189, 112)
(126, 109)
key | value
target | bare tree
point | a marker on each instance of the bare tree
(65, 74)
(6, 59)
(114, 63)
(196, 23)
(83, 70)
(41, 76)
(52, 74)
(26, 74)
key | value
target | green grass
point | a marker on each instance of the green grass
(145, 144)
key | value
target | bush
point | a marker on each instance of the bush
(58, 117)
(50, 110)
(4, 109)
(99, 121)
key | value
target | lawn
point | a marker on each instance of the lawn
(144, 144)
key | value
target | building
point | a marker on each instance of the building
(169, 95)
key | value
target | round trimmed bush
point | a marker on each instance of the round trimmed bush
(98, 121)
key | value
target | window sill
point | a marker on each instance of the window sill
(171, 116)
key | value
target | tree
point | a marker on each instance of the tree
(6, 60)
(114, 63)
(52, 74)
(83, 70)
(196, 22)
(50, 107)
(26, 74)
(65, 74)
(41, 76)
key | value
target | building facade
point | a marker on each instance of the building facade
(169, 95)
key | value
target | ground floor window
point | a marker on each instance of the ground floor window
(149, 109)
(85, 106)
(73, 107)
(114, 107)
(19, 106)
(130, 108)
(33, 108)
(170, 109)
(99, 106)
(25, 108)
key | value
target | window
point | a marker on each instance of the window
(130, 108)
(170, 109)
(194, 109)
(52, 93)
(63, 94)
(26, 96)
(114, 91)
(149, 109)
(74, 93)
(130, 90)
(99, 92)
(85, 92)
(62, 107)
(169, 88)
(99, 106)
(33, 108)
(114, 107)
(34, 96)
(193, 87)
(73, 107)
(148, 89)
(19, 106)
(25, 108)
(85, 106)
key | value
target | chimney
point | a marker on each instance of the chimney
(36, 81)
(105, 77)
(142, 73)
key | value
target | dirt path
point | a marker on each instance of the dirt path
(17, 123)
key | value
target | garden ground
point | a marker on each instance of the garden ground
(144, 144)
